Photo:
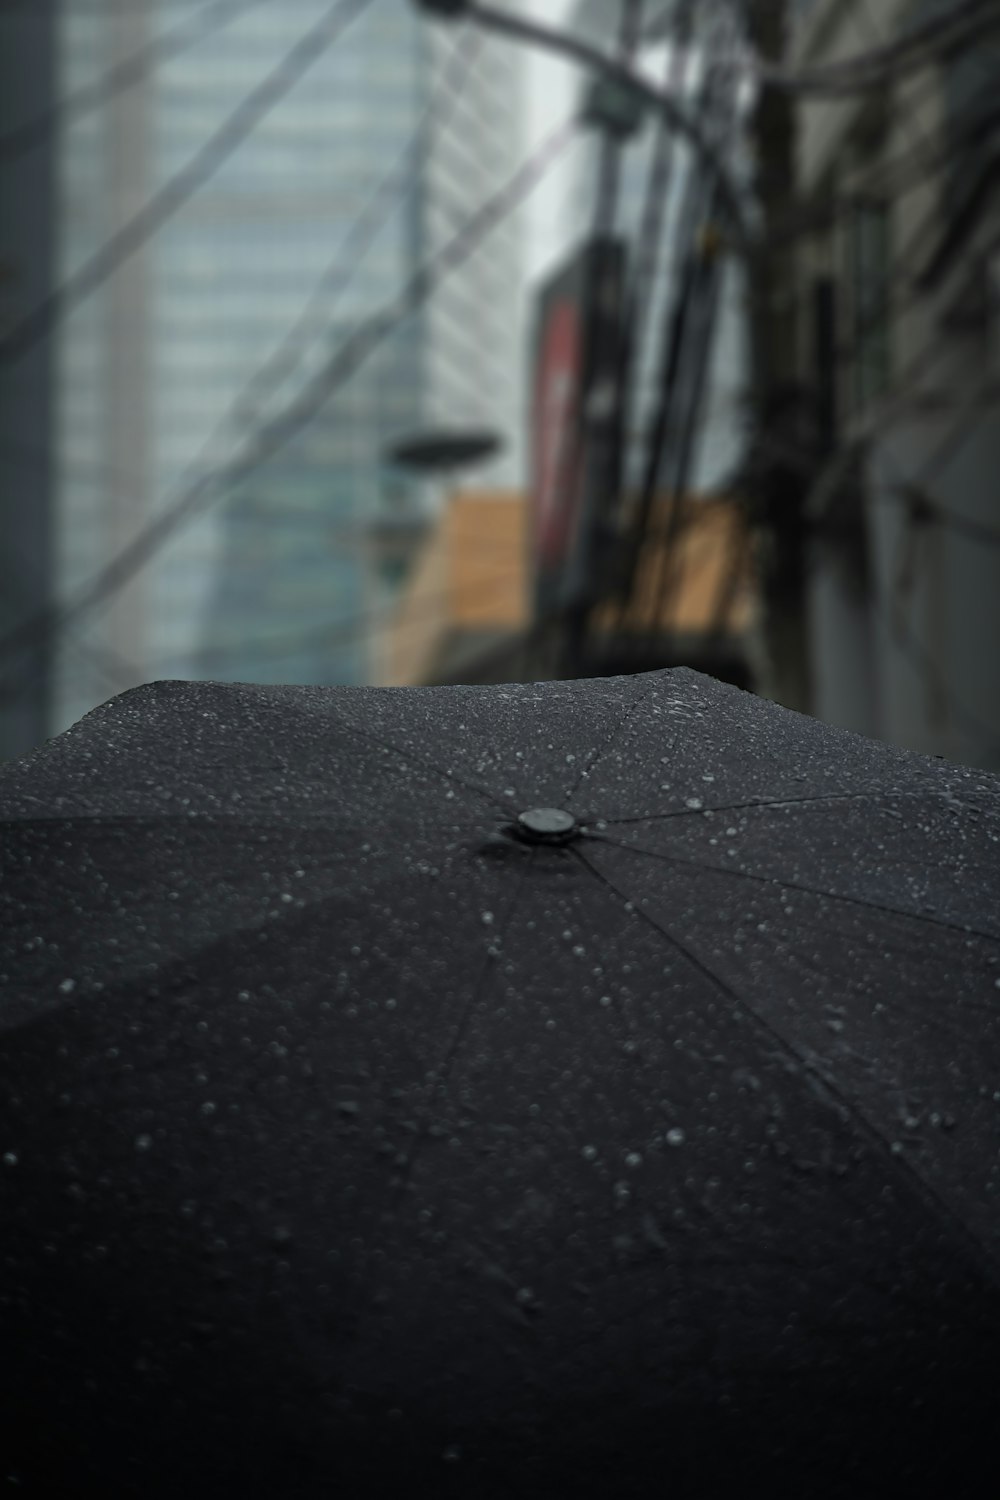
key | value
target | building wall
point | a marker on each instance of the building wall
(901, 608)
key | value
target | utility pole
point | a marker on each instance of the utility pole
(616, 116)
(774, 364)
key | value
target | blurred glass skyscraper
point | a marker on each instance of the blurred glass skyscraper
(281, 577)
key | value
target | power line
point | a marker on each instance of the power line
(692, 306)
(393, 188)
(274, 436)
(634, 84)
(338, 274)
(923, 507)
(234, 130)
(344, 629)
(124, 75)
(956, 29)
(697, 374)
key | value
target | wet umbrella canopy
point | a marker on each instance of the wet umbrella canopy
(578, 1089)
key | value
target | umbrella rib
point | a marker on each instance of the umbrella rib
(442, 1074)
(419, 760)
(925, 1189)
(598, 755)
(690, 812)
(794, 885)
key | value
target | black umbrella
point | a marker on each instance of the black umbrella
(569, 1089)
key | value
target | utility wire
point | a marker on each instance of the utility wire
(400, 180)
(641, 295)
(703, 331)
(676, 316)
(338, 274)
(124, 75)
(634, 84)
(40, 322)
(935, 39)
(283, 644)
(343, 630)
(691, 304)
(275, 435)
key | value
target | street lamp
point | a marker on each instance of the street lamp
(443, 450)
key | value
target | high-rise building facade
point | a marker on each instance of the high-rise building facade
(283, 574)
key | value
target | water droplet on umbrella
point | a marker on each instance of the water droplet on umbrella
(10, 1158)
(694, 803)
(143, 1142)
(589, 1153)
(633, 1160)
(676, 1136)
(68, 986)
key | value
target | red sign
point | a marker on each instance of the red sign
(557, 386)
(576, 357)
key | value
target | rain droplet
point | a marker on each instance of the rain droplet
(68, 986)
(10, 1158)
(452, 1454)
(589, 1153)
(208, 1108)
(605, 1000)
(633, 1160)
(143, 1142)
(694, 803)
(676, 1136)
(487, 917)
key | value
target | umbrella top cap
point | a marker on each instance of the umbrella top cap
(547, 825)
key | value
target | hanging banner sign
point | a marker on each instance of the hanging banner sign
(574, 420)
